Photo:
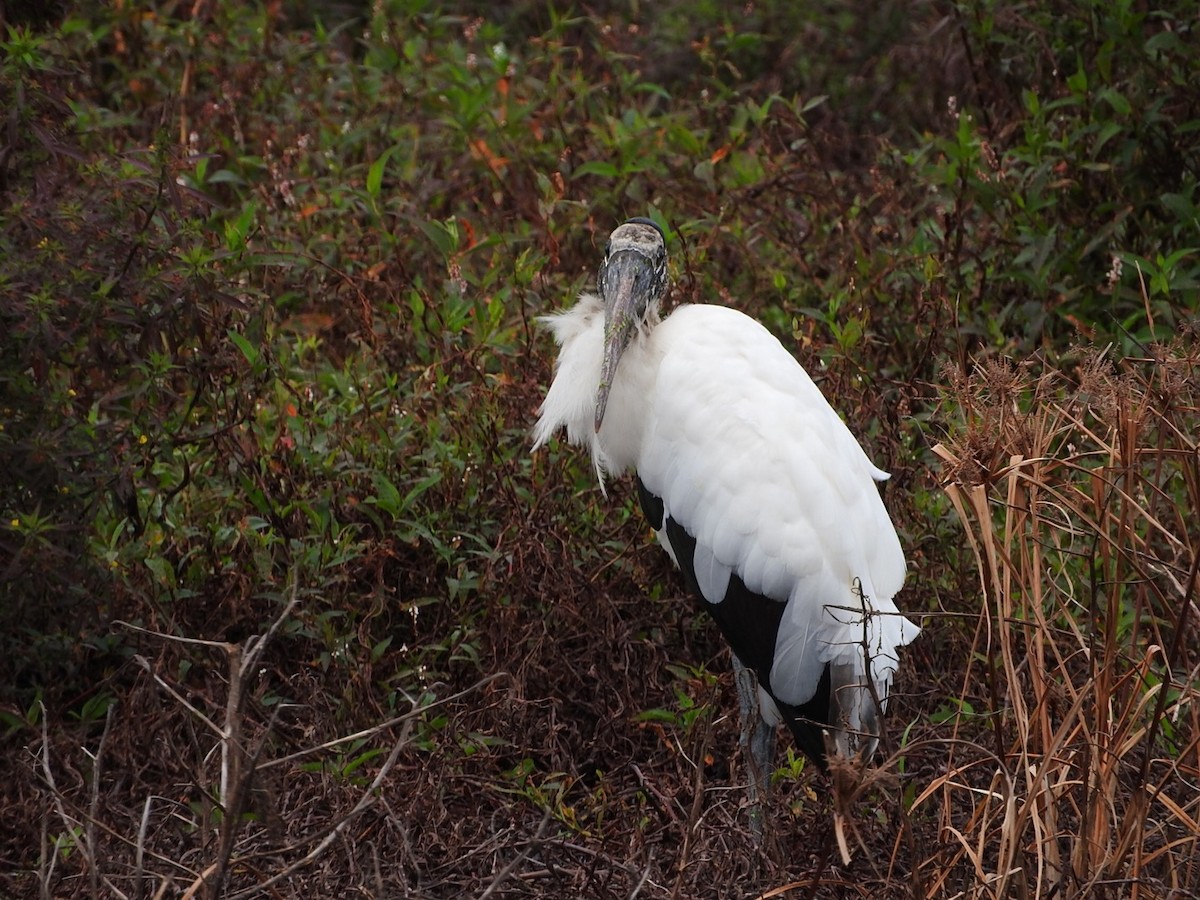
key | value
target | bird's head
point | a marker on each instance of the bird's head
(632, 279)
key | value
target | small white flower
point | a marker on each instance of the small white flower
(1114, 272)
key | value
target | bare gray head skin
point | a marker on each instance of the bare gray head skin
(632, 280)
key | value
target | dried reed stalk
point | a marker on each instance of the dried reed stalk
(1080, 499)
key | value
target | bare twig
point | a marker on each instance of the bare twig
(649, 787)
(637, 888)
(694, 814)
(94, 806)
(83, 838)
(140, 853)
(208, 723)
(504, 873)
(382, 726)
(368, 799)
(234, 787)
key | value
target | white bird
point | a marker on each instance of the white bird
(754, 485)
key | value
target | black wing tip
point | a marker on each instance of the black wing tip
(652, 506)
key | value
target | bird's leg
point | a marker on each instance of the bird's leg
(757, 741)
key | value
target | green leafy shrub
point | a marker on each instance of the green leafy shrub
(268, 287)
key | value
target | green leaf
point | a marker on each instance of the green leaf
(813, 103)
(163, 571)
(1110, 130)
(1078, 83)
(238, 230)
(387, 495)
(420, 488)
(224, 176)
(375, 173)
(248, 350)
(650, 88)
(1164, 42)
(1173, 259)
(361, 760)
(1180, 206)
(443, 234)
(657, 715)
(595, 167)
(1116, 100)
(704, 172)
(380, 648)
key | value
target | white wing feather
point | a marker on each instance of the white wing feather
(748, 456)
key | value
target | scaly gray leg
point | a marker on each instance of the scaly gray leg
(757, 741)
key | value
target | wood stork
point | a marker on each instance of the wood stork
(754, 485)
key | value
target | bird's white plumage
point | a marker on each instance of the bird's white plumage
(723, 424)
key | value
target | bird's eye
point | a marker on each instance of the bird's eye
(607, 248)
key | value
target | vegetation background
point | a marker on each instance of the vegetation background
(286, 607)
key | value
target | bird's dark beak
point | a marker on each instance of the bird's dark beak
(624, 284)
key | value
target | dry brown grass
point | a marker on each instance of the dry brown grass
(1080, 497)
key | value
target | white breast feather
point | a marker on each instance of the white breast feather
(571, 401)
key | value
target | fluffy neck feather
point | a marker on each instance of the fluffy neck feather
(571, 401)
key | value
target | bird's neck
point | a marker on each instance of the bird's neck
(571, 400)
(627, 414)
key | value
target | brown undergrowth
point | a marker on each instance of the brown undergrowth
(1080, 494)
